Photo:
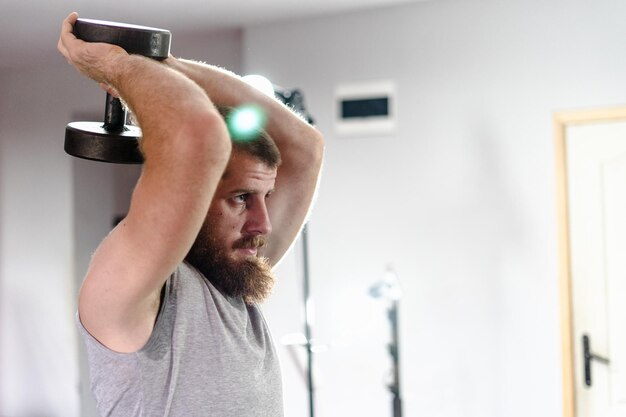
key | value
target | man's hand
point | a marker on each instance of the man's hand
(95, 60)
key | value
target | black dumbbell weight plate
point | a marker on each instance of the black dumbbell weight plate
(142, 40)
(89, 140)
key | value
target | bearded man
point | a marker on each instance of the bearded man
(169, 306)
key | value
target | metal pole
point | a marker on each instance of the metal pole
(295, 99)
(307, 319)
(393, 351)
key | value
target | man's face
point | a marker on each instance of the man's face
(237, 224)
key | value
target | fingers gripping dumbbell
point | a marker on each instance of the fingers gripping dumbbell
(113, 140)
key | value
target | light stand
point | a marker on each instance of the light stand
(307, 320)
(394, 387)
(295, 100)
(389, 290)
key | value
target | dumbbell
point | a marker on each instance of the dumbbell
(113, 140)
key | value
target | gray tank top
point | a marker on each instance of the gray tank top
(208, 355)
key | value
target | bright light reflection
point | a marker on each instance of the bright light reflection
(245, 122)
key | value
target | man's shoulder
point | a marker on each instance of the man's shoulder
(188, 278)
(185, 271)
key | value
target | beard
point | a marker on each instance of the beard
(250, 278)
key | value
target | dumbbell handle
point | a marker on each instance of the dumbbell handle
(114, 115)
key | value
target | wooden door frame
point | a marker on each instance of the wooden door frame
(562, 120)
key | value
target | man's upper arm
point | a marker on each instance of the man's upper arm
(119, 298)
(296, 185)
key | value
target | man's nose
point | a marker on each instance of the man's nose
(258, 222)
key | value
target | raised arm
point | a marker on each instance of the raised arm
(186, 148)
(301, 147)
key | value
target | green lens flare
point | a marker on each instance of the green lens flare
(245, 122)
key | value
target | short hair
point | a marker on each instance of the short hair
(260, 145)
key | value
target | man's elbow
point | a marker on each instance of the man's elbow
(206, 137)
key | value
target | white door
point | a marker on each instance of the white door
(596, 177)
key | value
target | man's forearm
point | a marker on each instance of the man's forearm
(228, 89)
(223, 87)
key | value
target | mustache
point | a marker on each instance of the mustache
(249, 242)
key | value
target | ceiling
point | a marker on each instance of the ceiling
(29, 29)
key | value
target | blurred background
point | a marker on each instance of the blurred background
(457, 194)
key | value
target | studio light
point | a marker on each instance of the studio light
(261, 83)
(388, 287)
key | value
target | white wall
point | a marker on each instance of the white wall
(461, 200)
(38, 343)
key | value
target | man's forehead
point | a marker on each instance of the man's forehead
(243, 167)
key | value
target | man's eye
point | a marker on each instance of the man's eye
(240, 199)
